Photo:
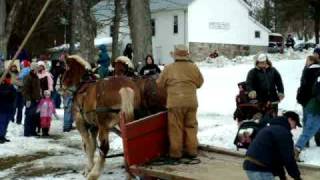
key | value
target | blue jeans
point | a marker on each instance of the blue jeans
(4, 122)
(311, 127)
(56, 99)
(67, 117)
(257, 175)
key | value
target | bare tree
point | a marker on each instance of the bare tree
(83, 28)
(139, 16)
(7, 20)
(116, 28)
(316, 17)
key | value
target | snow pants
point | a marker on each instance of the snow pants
(19, 107)
(182, 130)
(31, 120)
(4, 122)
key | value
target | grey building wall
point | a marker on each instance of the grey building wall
(200, 51)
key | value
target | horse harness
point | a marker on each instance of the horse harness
(81, 88)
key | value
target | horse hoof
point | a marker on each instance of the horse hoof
(86, 172)
(93, 176)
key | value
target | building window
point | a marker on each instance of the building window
(257, 34)
(111, 30)
(153, 27)
(175, 25)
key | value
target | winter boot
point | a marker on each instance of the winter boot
(45, 131)
(297, 152)
(307, 144)
(2, 140)
(317, 138)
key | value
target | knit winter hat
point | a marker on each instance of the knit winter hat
(47, 93)
(25, 63)
(317, 50)
(41, 63)
(262, 58)
(34, 66)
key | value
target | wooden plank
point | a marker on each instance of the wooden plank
(216, 163)
(212, 166)
(241, 154)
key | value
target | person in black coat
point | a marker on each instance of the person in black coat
(128, 51)
(290, 41)
(7, 106)
(150, 68)
(272, 150)
(264, 83)
(309, 76)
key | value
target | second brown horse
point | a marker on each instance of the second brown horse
(97, 104)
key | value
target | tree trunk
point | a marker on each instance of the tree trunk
(6, 24)
(88, 32)
(83, 29)
(71, 31)
(3, 39)
(115, 29)
(140, 28)
(317, 25)
(267, 14)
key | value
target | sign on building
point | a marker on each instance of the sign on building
(219, 25)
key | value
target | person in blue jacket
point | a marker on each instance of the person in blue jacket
(273, 149)
(103, 62)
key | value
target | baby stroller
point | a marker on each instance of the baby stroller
(251, 116)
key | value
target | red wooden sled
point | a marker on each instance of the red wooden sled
(144, 139)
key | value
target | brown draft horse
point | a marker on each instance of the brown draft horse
(96, 107)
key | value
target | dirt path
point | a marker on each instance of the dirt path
(213, 166)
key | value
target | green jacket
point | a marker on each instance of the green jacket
(313, 107)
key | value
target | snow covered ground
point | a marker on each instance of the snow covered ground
(61, 156)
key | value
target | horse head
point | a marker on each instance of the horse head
(75, 69)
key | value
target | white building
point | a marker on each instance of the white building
(204, 25)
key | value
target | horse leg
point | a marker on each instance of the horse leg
(103, 136)
(89, 145)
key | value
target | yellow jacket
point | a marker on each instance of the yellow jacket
(181, 80)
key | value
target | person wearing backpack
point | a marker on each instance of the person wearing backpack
(272, 150)
(304, 94)
(312, 122)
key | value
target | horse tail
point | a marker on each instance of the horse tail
(127, 103)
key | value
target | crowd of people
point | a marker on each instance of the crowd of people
(34, 86)
(272, 149)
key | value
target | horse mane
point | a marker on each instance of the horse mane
(125, 60)
(81, 61)
(77, 68)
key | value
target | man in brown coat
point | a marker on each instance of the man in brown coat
(31, 93)
(181, 80)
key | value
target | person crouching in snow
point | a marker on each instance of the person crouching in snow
(46, 109)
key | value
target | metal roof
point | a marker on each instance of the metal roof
(158, 5)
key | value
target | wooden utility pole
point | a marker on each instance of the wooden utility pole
(27, 37)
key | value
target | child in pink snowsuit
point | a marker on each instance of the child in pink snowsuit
(46, 109)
